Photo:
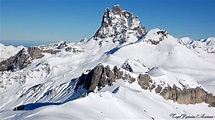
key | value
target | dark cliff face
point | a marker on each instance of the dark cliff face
(188, 96)
(18, 61)
(181, 96)
(35, 52)
(102, 76)
(119, 24)
(26, 56)
(21, 59)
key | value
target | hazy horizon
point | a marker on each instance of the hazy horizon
(36, 22)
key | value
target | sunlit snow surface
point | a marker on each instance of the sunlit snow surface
(170, 61)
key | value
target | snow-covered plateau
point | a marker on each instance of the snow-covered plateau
(122, 72)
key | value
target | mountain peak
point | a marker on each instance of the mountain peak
(120, 25)
(117, 9)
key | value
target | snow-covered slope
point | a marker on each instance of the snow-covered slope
(128, 101)
(148, 75)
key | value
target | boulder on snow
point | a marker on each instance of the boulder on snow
(144, 81)
(212, 104)
(210, 99)
(128, 78)
(158, 89)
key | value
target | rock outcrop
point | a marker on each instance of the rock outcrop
(188, 95)
(21, 59)
(18, 61)
(101, 76)
(51, 51)
(127, 66)
(24, 57)
(144, 80)
(35, 52)
(181, 96)
(162, 34)
(62, 45)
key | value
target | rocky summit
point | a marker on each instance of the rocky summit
(121, 72)
(119, 24)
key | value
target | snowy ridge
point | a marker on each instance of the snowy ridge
(8, 51)
(207, 45)
(165, 78)
(155, 36)
(110, 76)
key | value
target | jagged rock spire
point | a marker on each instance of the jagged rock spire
(117, 9)
(119, 24)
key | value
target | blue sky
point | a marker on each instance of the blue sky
(33, 22)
